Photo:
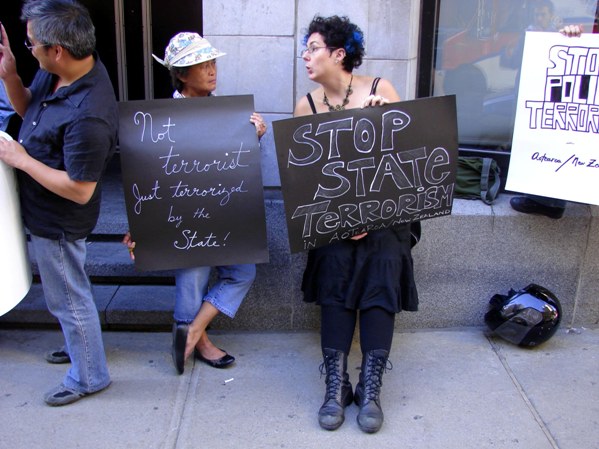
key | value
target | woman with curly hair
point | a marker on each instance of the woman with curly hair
(369, 277)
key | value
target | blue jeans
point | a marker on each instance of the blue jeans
(226, 294)
(69, 298)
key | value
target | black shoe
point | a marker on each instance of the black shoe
(339, 394)
(370, 416)
(529, 206)
(367, 396)
(223, 362)
(62, 395)
(179, 342)
(58, 356)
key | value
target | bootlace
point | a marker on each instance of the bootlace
(330, 367)
(376, 366)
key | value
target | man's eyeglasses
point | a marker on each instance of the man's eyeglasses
(30, 45)
(312, 49)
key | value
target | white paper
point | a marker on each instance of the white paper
(15, 269)
(555, 148)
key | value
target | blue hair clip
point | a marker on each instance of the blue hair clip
(354, 43)
(359, 39)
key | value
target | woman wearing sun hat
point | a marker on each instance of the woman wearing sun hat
(191, 60)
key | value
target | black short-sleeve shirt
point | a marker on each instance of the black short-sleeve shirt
(73, 129)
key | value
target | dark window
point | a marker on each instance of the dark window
(166, 22)
(135, 64)
(102, 13)
(10, 14)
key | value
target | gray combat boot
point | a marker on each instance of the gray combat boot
(339, 391)
(370, 416)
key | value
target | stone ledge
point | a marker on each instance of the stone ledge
(462, 260)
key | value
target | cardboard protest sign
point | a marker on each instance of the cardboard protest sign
(15, 269)
(359, 170)
(555, 148)
(192, 182)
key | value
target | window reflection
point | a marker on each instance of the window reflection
(478, 58)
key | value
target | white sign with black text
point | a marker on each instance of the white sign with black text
(555, 148)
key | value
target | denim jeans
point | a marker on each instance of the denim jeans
(69, 298)
(226, 294)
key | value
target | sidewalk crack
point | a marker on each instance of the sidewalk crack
(522, 393)
(187, 387)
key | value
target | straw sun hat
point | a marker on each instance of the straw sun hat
(187, 49)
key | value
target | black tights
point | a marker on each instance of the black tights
(338, 324)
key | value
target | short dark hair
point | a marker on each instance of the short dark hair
(339, 32)
(176, 74)
(61, 22)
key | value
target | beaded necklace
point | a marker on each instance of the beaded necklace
(339, 107)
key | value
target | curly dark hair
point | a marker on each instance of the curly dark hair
(339, 32)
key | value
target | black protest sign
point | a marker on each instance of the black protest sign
(192, 182)
(349, 172)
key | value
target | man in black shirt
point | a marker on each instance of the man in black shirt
(69, 132)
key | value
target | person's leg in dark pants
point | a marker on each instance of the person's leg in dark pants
(376, 336)
(337, 327)
(376, 329)
(337, 331)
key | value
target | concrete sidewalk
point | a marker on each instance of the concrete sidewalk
(447, 389)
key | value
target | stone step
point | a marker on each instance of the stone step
(462, 260)
(109, 262)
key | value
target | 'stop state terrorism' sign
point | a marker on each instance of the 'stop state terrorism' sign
(349, 172)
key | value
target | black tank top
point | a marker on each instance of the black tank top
(375, 83)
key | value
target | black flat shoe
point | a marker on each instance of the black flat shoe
(223, 362)
(179, 342)
(529, 206)
(58, 356)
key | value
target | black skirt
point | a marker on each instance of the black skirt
(375, 271)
